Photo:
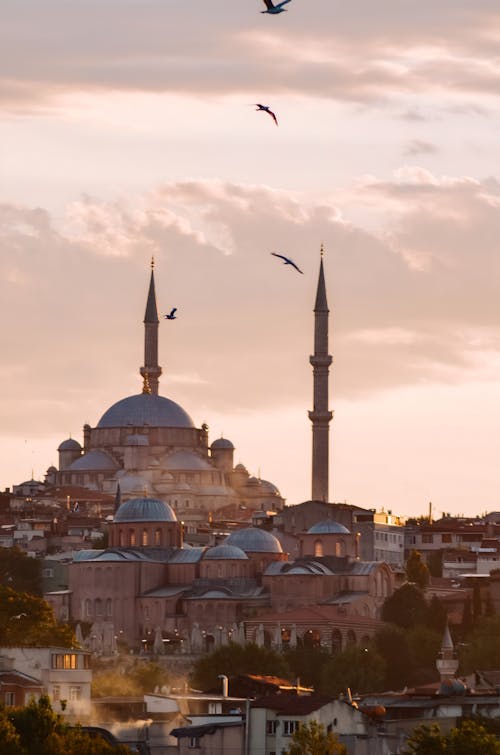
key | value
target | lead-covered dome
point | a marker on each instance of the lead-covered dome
(145, 510)
(70, 445)
(328, 527)
(225, 551)
(254, 540)
(145, 409)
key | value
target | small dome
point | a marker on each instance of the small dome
(221, 443)
(452, 687)
(70, 445)
(51, 470)
(254, 540)
(328, 527)
(226, 552)
(145, 409)
(145, 510)
(94, 460)
(134, 483)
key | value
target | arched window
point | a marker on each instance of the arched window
(88, 607)
(131, 537)
(158, 537)
(109, 607)
(145, 538)
(121, 538)
(98, 607)
(318, 548)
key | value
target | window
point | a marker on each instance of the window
(56, 694)
(47, 572)
(289, 727)
(131, 537)
(214, 708)
(446, 537)
(194, 742)
(64, 660)
(10, 698)
(318, 548)
(145, 538)
(75, 693)
(157, 537)
(427, 539)
(271, 727)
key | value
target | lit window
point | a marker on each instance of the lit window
(289, 727)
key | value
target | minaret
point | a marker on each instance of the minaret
(151, 370)
(447, 661)
(320, 415)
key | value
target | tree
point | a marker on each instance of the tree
(26, 620)
(233, 659)
(405, 607)
(306, 664)
(482, 649)
(436, 615)
(392, 644)
(9, 738)
(360, 669)
(19, 571)
(417, 570)
(469, 737)
(41, 731)
(312, 739)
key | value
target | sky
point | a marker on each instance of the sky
(128, 130)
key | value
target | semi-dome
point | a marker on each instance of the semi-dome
(221, 443)
(185, 460)
(93, 461)
(328, 527)
(254, 540)
(225, 551)
(145, 510)
(145, 409)
(70, 445)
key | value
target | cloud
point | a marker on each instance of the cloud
(413, 302)
(420, 147)
(355, 52)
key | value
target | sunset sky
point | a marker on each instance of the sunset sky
(128, 130)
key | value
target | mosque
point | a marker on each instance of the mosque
(148, 587)
(147, 444)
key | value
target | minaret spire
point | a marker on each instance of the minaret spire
(151, 370)
(320, 415)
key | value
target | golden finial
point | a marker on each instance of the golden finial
(146, 388)
(152, 262)
(322, 250)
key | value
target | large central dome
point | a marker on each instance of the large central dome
(145, 409)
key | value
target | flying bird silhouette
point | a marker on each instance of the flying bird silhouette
(266, 108)
(171, 315)
(273, 9)
(287, 261)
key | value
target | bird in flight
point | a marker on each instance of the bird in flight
(287, 261)
(266, 108)
(278, 8)
(171, 315)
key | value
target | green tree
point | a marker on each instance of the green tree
(482, 646)
(360, 669)
(436, 615)
(477, 608)
(9, 738)
(405, 607)
(312, 739)
(41, 731)
(423, 645)
(19, 571)
(469, 737)
(426, 740)
(233, 659)
(26, 620)
(306, 664)
(391, 642)
(417, 570)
